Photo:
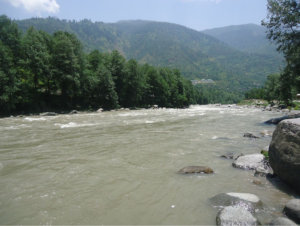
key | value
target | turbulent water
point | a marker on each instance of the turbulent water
(121, 167)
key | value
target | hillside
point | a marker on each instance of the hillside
(248, 38)
(197, 55)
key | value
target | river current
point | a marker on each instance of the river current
(120, 168)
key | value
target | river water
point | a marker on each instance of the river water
(117, 168)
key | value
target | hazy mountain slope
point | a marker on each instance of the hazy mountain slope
(248, 38)
(196, 54)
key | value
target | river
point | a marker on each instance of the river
(117, 168)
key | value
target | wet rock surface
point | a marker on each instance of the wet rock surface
(261, 172)
(234, 215)
(292, 210)
(249, 162)
(247, 201)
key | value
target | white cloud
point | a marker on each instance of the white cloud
(49, 6)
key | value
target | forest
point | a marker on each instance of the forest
(42, 72)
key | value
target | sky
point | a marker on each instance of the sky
(195, 14)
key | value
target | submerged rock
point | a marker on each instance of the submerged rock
(250, 135)
(261, 172)
(249, 162)
(233, 215)
(247, 201)
(292, 210)
(284, 152)
(266, 133)
(282, 221)
(196, 169)
(227, 156)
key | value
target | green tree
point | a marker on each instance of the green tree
(283, 23)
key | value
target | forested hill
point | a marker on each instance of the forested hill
(197, 55)
(248, 38)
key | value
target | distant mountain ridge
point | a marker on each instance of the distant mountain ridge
(248, 38)
(196, 54)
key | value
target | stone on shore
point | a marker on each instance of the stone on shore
(233, 215)
(282, 221)
(249, 162)
(292, 210)
(99, 110)
(284, 152)
(196, 169)
(247, 201)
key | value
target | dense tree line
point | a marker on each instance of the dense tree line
(283, 24)
(42, 72)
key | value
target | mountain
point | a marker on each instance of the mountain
(196, 54)
(248, 38)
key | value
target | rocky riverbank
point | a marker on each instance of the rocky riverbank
(278, 161)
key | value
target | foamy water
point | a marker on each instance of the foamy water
(117, 168)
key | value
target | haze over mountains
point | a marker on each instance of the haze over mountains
(237, 58)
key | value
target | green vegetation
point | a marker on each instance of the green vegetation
(43, 72)
(283, 29)
(195, 54)
(247, 38)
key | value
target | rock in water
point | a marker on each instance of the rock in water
(292, 210)
(284, 152)
(249, 162)
(261, 172)
(250, 135)
(247, 201)
(282, 221)
(233, 215)
(196, 169)
(48, 114)
(278, 120)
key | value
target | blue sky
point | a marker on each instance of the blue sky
(196, 14)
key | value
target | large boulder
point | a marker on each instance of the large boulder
(292, 210)
(196, 169)
(284, 152)
(278, 120)
(249, 162)
(247, 201)
(234, 215)
(282, 221)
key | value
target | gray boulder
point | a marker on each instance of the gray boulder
(249, 162)
(292, 210)
(247, 201)
(99, 110)
(233, 215)
(284, 152)
(282, 221)
(278, 120)
(48, 114)
(196, 169)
